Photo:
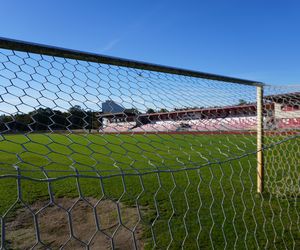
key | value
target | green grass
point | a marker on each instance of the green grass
(190, 193)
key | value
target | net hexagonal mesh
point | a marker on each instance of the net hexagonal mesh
(96, 155)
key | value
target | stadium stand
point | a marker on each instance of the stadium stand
(231, 118)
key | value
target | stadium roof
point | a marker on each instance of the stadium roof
(288, 98)
(127, 112)
(216, 109)
(239, 108)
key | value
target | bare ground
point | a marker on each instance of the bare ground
(74, 224)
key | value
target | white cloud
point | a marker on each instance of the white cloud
(109, 46)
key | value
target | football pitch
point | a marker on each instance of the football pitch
(188, 191)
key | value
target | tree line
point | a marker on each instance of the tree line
(47, 119)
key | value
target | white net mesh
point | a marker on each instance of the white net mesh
(282, 122)
(96, 156)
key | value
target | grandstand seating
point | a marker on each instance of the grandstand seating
(289, 123)
(219, 124)
(117, 127)
(205, 125)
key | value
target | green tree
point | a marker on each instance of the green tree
(150, 111)
(242, 102)
(163, 110)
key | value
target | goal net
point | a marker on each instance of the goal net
(99, 152)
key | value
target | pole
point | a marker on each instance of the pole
(260, 156)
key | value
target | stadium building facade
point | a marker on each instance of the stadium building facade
(279, 114)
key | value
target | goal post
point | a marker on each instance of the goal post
(260, 153)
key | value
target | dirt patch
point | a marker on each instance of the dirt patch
(74, 224)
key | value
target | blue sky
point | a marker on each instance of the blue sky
(257, 39)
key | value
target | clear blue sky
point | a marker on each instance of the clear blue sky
(254, 39)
